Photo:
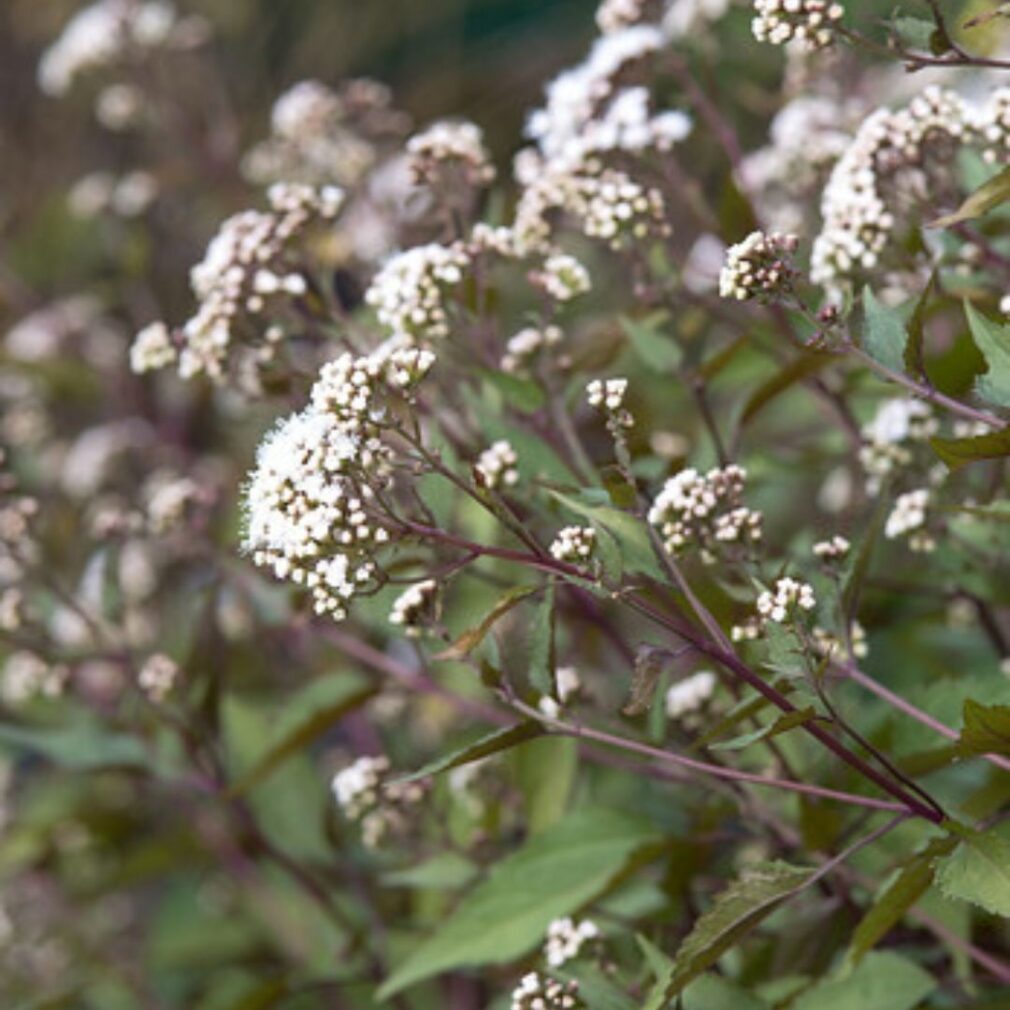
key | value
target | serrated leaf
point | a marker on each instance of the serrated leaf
(993, 342)
(472, 637)
(309, 714)
(884, 336)
(554, 874)
(485, 746)
(989, 195)
(657, 349)
(978, 870)
(882, 981)
(958, 452)
(784, 723)
(796, 371)
(986, 729)
(897, 896)
(736, 911)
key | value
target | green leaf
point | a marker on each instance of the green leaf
(545, 770)
(629, 533)
(713, 992)
(989, 195)
(541, 669)
(978, 870)
(736, 911)
(491, 743)
(598, 991)
(309, 714)
(958, 452)
(882, 981)
(446, 871)
(472, 637)
(784, 723)
(986, 729)
(82, 744)
(901, 891)
(993, 341)
(524, 394)
(914, 33)
(554, 874)
(885, 336)
(915, 362)
(658, 350)
(796, 371)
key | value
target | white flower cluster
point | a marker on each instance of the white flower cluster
(365, 795)
(805, 138)
(561, 277)
(898, 425)
(128, 195)
(322, 137)
(109, 31)
(27, 676)
(908, 518)
(608, 205)
(414, 606)
(833, 550)
(536, 992)
(497, 465)
(566, 938)
(704, 510)
(689, 694)
(249, 274)
(810, 22)
(568, 685)
(409, 293)
(170, 499)
(886, 162)
(574, 544)
(157, 677)
(788, 598)
(524, 346)
(759, 267)
(615, 15)
(828, 645)
(153, 349)
(308, 498)
(450, 152)
(607, 394)
(994, 126)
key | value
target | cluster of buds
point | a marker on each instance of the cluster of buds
(415, 607)
(536, 992)
(890, 438)
(607, 396)
(496, 466)
(690, 694)
(908, 519)
(524, 346)
(27, 676)
(365, 795)
(828, 645)
(788, 598)
(561, 277)
(811, 22)
(568, 685)
(832, 551)
(574, 544)
(759, 267)
(449, 153)
(566, 938)
(157, 677)
(249, 275)
(153, 349)
(410, 291)
(705, 510)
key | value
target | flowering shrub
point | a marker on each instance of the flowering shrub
(579, 582)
